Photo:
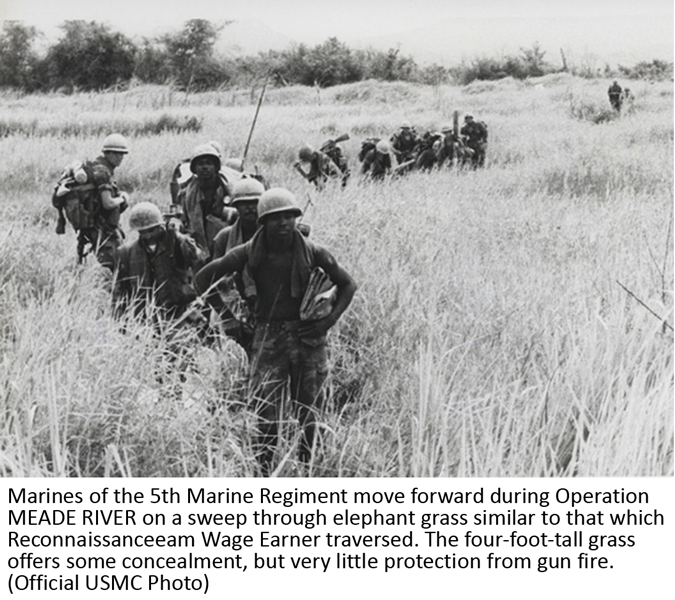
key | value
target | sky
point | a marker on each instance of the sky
(430, 31)
(312, 21)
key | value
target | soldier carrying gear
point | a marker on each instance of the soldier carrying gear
(205, 199)
(155, 266)
(377, 162)
(276, 266)
(236, 316)
(95, 204)
(404, 143)
(615, 94)
(475, 135)
(153, 279)
(428, 146)
(332, 149)
(321, 167)
(245, 196)
(452, 147)
(366, 146)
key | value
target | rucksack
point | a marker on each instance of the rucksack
(74, 197)
(334, 152)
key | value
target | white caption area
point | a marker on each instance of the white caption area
(334, 537)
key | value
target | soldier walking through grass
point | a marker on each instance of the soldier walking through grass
(377, 161)
(153, 278)
(404, 143)
(475, 135)
(102, 235)
(615, 94)
(289, 359)
(205, 199)
(235, 315)
(155, 268)
(321, 167)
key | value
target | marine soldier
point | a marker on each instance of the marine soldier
(452, 148)
(615, 94)
(153, 279)
(404, 143)
(236, 319)
(475, 135)
(321, 167)
(205, 199)
(182, 174)
(377, 162)
(105, 234)
(155, 268)
(277, 267)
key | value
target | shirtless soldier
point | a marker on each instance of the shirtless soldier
(275, 266)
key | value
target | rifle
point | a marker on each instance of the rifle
(327, 144)
(255, 118)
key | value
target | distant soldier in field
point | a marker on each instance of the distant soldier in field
(615, 94)
(404, 142)
(205, 199)
(475, 135)
(452, 148)
(104, 234)
(321, 167)
(428, 148)
(278, 266)
(377, 162)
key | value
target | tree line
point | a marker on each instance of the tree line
(91, 56)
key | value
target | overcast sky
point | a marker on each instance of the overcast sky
(312, 21)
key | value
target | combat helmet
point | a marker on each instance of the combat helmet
(246, 190)
(306, 153)
(383, 147)
(276, 200)
(145, 215)
(115, 142)
(406, 125)
(204, 150)
(236, 164)
(218, 148)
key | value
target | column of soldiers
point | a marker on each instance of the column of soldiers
(231, 252)
(411, 151)
(225, 235)
(403, 152)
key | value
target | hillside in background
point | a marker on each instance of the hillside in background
(613, 40)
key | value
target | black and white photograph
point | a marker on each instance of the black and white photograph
(303, 239)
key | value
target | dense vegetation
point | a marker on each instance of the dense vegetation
(514, 321)
(91, 56)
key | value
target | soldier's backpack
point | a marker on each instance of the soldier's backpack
(334, 152)
(74, 197)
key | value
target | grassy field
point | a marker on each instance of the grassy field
(515, 321)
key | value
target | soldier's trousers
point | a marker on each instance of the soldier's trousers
(285, 367)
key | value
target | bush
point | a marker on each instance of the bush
(90, 56)
(657, 70)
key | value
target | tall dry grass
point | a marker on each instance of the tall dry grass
(489, 336)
